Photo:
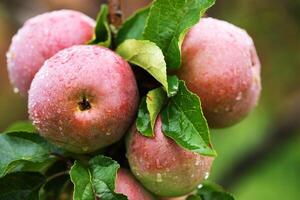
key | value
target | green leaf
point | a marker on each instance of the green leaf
(143, 123)
(210, 191)
(184, 122)
(150, 107)
(102, 34)
(169, 21)
(21, 185)
(133, 27)
(19, 148)
(173, 84)
(95, 180)
(155, 100)
(149, 57)
(22, 126)
(80, 177)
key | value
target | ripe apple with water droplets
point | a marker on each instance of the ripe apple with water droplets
(83, 98)
(40, 38)
(220, 65)
(162, 166)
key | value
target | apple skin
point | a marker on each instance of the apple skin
(127, 185)
(40, 38)
(163, 167)
(220, 65)
(175, 198)
(83, 98)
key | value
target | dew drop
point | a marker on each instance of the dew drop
(9, 55)
(200, 186)
(239, 96)
(158, 177)
(206, 175)
(174, 159)
(198, 161)
(16, 90)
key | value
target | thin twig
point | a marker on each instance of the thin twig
(115, 13)
(54, 176)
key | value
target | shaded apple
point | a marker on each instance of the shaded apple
(163, 167)
(220, 65)
(127, 185)
(40, 38)
(83, 98)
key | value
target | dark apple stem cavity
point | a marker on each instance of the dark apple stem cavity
(84, 104)
(115, 13)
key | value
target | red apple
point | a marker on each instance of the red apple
(220, 65)
(83, 98)
(163, 167)
(40, 38)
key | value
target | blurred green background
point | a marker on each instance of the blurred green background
(260, 157)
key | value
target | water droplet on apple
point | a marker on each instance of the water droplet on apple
(158, 177)
(198, 161)
(9, 55)
(239, 96)
(16, 90)
(206, 175)
(200, 186)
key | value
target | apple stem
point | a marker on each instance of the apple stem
(115, 13)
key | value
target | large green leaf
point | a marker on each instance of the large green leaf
(210, 191)
(184, 122)
(148, 56)
(21, 185)
(133, 27)
(19, 148)
(169, 21)
(102, 34)
(97, 180)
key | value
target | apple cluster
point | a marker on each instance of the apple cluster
(83, 98)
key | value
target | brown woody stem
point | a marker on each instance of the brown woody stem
(115, 12)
